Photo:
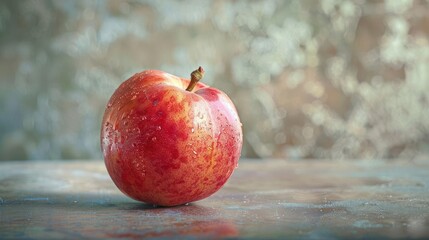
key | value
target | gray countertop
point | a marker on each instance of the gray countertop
(263, 199)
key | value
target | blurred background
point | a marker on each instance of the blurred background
(331, 79)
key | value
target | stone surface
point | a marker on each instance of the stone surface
(263, 199)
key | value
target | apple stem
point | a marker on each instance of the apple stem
(196, 76)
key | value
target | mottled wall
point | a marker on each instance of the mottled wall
(310, 79)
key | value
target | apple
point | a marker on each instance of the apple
(168, 140)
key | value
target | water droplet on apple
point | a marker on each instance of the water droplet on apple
(153, 139)
(134, 144)
(192, 130)
(195, 152)
(106, 141)
(158, 128)
(144, 118)
(109, 105)
(200, 115)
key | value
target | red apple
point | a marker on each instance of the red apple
(167, 140)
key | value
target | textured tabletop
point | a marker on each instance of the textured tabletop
(263, 199)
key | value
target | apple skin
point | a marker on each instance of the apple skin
(167, 146)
